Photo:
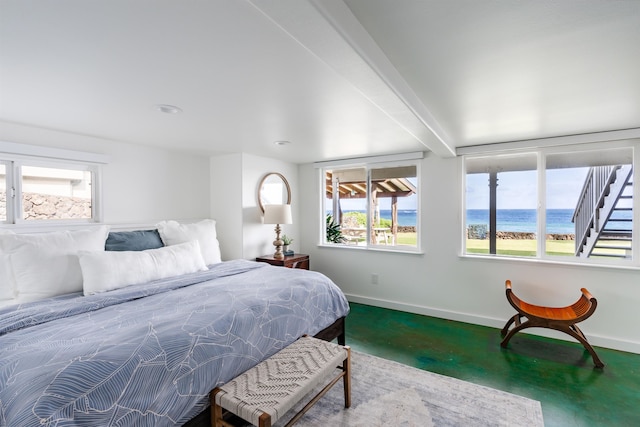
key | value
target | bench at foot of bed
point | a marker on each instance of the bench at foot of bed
(267, 391)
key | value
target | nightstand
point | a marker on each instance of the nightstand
(290, 261)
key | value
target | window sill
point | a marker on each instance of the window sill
(43, 226)
(374, 249)
(547, 261)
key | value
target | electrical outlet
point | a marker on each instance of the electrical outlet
(374, 278)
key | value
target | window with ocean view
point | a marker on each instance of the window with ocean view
(584, 211)
(502, 195)
(372, 206)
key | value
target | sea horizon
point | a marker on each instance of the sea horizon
(524, 220)
(510, 220)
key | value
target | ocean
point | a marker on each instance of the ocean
(522, 220)
(405, 217)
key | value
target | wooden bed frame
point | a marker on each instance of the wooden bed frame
(334, 331)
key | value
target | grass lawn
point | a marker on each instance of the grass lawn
(514, 247)
(522, 247)
(505, 247)
(407, 239)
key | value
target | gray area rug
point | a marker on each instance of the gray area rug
(387, 393)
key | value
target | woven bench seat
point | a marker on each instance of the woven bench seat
(264, 393)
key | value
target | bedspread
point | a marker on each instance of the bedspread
(148, 355)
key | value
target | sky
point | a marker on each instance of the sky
(516, 190)
(519, 190)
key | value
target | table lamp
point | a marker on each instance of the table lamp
(277, 214)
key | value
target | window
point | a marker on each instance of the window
(592, 191)
(562, 203)
(372, 205)
(3, 192)
(501, 203)
(34, 191)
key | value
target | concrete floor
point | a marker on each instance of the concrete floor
(560, 374)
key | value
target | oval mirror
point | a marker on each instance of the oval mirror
(273, 190)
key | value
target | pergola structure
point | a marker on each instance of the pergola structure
(350, 184)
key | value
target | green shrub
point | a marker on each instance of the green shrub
(334, 234)
(361, 219)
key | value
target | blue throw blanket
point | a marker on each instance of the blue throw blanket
(148, 355)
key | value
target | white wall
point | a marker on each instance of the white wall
(443, 284)
(226, 203)
(143, 185)
(234, 181)
(140, 184)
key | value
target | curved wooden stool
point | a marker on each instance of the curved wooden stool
(562, 319)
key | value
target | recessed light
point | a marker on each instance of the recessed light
(168, 109)
(282, 142)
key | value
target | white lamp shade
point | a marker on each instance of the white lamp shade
(277, 214)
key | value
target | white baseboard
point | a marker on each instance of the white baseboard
(596, 340)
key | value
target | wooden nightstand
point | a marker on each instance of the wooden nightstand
(290, 261)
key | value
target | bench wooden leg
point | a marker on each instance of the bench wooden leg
(572, 330)
(346, 379)
(510, 333)
(216, 410)
(575, 332)
(264, 420)
(514, 319)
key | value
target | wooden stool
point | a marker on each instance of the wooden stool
(267, 391)
(562, 319)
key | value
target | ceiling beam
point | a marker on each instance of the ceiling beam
(329, 30)
(564, 140)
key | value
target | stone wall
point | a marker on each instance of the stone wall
(561, 236)
(514, 235)
(518, 235)
(39, 206)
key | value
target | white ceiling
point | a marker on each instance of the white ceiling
(336, 78)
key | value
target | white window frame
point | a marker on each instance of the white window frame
(14, 156)
(369, 163)
(8, 167)
(542, 154)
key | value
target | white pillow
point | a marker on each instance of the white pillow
(7, 284)
(45, 265)
(173, 233)
(109, 270)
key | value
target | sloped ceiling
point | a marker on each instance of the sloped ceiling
(335, 78)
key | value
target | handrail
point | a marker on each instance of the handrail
(594, 190)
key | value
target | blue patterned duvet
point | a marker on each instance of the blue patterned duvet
(148, 355)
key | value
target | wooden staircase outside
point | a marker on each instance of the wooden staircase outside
(601, 226)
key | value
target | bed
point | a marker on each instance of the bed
(148, 354)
